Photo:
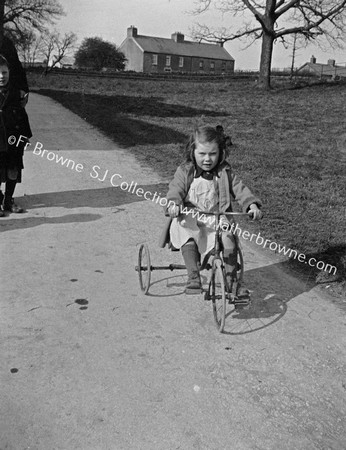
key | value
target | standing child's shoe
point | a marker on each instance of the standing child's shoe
(2, 214)
(12, 207)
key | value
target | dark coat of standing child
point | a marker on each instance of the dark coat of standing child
(14, 123)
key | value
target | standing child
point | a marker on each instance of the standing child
(14, 122)
(206, 181)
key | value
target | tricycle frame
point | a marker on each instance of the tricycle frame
(218, 292)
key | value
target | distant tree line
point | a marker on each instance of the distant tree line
(30, 25)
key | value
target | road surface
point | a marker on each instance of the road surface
(90, 363)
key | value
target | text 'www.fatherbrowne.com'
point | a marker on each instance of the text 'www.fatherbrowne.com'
(234, 228)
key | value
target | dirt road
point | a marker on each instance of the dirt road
(90, 363)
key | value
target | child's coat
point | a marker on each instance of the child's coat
(230, 188)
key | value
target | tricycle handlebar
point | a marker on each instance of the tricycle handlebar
(195, 210)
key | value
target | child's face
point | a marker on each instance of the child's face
(206, 155)
(4, 75)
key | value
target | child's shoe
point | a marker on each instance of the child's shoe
(12, 207)
(194, 285)
(242, 299)
(243, 292)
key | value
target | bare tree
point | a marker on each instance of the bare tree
(22, 16)
(28, 46)
(275, 20)
(55, 47)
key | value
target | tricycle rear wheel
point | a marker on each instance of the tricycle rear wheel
(144, 268)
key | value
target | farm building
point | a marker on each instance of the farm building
(159, 55)
(66, 63)
(329, 70)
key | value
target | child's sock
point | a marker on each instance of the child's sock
(9, 191)
(231, 265)
(191, 258)
(230, 269)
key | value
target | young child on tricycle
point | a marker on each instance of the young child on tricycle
(205, 181)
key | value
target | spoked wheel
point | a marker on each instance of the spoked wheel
(144, 268)
(217, 289)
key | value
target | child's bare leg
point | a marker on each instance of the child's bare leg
(191, 258)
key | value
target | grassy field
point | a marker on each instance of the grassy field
(289, 146)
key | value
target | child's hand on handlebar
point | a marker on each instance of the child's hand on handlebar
(173, 211)
(255, 212)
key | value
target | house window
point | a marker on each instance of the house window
(181, 61)
(223, 66)
(154, 62)
(212, 65)
(201, 64)
(168, 60)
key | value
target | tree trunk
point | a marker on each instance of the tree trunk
(266, 60)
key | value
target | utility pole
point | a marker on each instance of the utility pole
(293, 55)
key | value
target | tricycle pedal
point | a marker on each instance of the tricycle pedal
(242, 302)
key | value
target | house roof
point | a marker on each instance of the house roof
(323, 69)
(187, 48)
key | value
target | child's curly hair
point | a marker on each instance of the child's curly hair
(208, 134)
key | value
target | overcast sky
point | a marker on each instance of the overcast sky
(109, 19)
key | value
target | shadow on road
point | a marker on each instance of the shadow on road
(91, 198)
(29, 222)
(117, 116)
(271, 288)
(129, 104)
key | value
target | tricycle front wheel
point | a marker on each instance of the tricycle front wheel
(217, 292)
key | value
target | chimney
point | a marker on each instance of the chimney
(220, 43)
(313, 60)
(177, 37)
(331, 62)
(132, 31)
